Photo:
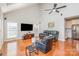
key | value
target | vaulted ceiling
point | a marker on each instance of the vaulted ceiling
(7, 7)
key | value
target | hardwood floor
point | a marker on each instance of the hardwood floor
(61, 48)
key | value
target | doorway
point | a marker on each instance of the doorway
(72, 27)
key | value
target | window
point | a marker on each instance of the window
(11, 30)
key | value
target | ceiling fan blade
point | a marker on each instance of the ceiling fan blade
(55, 5)
(61, 14)
(50, 11)
(61, 7)
(47, 9)
(57, 11)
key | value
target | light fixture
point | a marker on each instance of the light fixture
(54, 10)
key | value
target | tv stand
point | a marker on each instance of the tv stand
(28, 36)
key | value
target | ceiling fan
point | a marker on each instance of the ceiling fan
(55, 9)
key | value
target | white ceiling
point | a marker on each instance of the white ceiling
(7, 7)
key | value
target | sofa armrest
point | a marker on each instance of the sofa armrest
(41, 43)
(41, 46)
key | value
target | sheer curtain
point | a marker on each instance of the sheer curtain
(1, 30)
(11, 30)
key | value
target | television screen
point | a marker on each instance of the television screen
(26, 27)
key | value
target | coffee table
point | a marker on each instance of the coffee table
(31, 49)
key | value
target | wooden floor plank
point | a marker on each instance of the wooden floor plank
(61, 48)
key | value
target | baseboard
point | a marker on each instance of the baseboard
(61, 39)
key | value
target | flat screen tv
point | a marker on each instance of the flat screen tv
(26, 27)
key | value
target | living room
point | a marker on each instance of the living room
(34, 14)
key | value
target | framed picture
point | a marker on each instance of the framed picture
(51, 24)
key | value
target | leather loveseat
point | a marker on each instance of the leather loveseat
(44, 45)
(53, 33)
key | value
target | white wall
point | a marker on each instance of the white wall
(33, 15)
(56, 18)
(28, 15)
(70, 10)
